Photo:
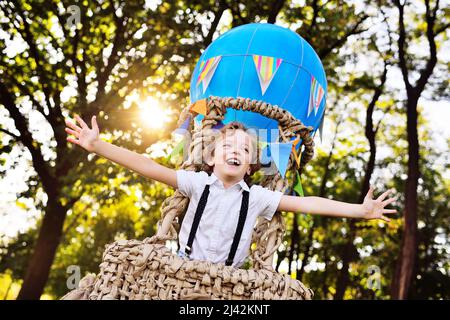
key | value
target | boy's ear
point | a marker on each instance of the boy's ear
(209, 159)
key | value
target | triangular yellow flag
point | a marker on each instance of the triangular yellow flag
(296, 156)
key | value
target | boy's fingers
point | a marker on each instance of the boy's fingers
(70, 131)
(94, 122)
(73, 126)
(81, 121)
(388, 201)
(370, 192)
(384, 195)
(72, 140)
(385, 218)
(389, 211)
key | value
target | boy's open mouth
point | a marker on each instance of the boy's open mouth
(233, 162)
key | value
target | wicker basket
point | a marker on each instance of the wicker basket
(149, 270)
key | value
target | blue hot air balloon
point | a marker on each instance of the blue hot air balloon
(264, 62)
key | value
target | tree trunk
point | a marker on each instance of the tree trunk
(408, 252)
(44, 252)
(275, 10)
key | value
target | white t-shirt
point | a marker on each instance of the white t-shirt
(219, 220)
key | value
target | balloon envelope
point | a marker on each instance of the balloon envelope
(236, 74)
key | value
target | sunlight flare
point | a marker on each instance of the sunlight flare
(153, 114)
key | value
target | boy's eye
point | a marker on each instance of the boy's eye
(246, 149)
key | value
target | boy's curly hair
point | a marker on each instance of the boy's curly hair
(230, 128)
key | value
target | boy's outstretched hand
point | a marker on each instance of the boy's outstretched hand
(375, 209)
(85, 136)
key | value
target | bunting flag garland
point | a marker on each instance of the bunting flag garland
(178, 149)
(280, 153)
(266, 67)
(207, 70)
(181, 130)
(199, 107)
(315, 96)
(298, 186)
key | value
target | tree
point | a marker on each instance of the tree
(433, 28)
(123, 51)
(113, 51)
(370, 133)
(116, 48)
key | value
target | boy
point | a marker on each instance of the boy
(221, 197)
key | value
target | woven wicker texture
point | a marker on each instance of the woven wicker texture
(149, 270)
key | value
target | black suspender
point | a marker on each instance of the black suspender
(198, 215)
(239, 227)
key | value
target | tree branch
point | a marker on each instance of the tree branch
(315, 15)
(431, 62)
(369, 130)
(39, 164)
(24, 89)
(113, 59)
(435, 9)
(442, 29)
(72, 201)
(29, 39)
(16, 137)
(339, 42)
(401, 45)
(215, 23)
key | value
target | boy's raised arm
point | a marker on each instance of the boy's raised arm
(369, 209)
(89, 139)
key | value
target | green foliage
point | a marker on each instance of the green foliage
(127, 49)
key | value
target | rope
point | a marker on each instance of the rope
(267, 236)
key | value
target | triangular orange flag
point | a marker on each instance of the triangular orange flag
(296, 157)
(199, 107)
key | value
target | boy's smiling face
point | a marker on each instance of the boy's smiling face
(233, 155)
